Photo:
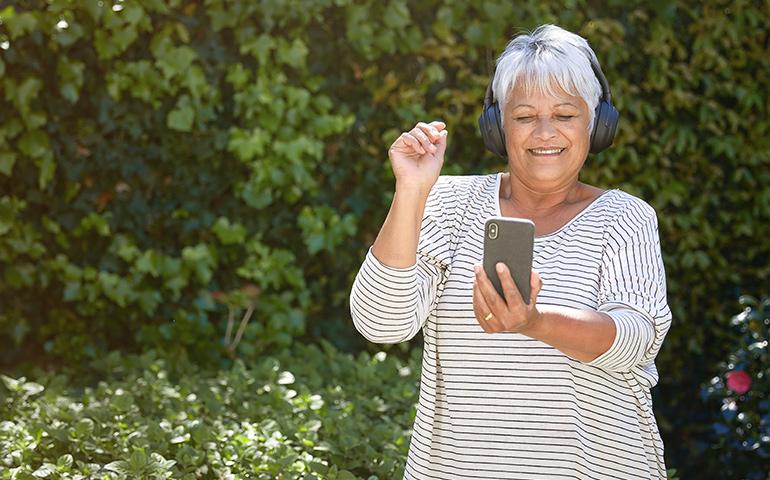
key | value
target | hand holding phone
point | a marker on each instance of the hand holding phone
(510, 241)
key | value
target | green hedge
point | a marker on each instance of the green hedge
(154, 152)
(312, 414)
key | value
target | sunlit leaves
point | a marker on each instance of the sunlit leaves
(19, 23)
(324, 229)
(306, 410)
(227, 232)
(181, 118)
(292, 53)
(188, 147)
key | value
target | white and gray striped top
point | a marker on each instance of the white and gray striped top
(505, 406)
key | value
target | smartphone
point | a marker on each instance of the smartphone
(510, 241)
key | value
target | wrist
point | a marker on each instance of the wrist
(537, 324)
(412, 189)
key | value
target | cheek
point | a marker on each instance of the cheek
(518, 136)
(578, 134)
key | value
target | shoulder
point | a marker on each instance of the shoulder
(627, 208)
(629, 219)
(454, 186)
(456, 196)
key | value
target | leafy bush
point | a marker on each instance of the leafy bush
(311, 413)
(152, 152)
(740, 437)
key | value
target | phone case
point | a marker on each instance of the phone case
(510, 241)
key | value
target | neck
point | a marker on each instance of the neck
(534, 202)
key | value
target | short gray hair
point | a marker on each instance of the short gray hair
(548, 55)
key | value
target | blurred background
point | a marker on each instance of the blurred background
(187, 189)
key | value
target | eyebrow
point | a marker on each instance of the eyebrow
(570, 104)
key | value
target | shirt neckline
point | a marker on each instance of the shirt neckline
(590, 206)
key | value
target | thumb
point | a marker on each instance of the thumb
(441, 143)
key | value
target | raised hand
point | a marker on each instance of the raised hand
(417, 155)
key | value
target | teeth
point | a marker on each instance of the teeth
(546, 151)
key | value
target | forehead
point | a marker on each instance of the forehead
(551, 94)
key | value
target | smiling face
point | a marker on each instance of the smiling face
(546, 136)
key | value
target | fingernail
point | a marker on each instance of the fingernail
(499, 268)
(477, 269)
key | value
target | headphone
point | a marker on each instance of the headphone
(605, 118)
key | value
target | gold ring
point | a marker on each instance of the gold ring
(488, 317)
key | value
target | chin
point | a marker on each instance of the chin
(548, 175)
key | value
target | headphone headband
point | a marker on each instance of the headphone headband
(597, 69)
(606, 95)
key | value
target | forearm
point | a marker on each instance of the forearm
(579, 334)
(396, 244)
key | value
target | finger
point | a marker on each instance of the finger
(413, 143)
(438, 124)
(442, 143)
(510, 290)
(431, 131)
(494, 301)
(480, 309)
(424, 140)
(536, 284)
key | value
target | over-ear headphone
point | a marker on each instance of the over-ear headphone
(605, 118)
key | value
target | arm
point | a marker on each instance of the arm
(396, 244)
(580, 334)
(626, 331)
(633, 293)
(400, 278)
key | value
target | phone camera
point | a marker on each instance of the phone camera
(492, 231)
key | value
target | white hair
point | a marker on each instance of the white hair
(549, 56)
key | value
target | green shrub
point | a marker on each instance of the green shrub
(740, 437)
(152, 152)
(309, 413)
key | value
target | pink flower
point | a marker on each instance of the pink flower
(738, 381)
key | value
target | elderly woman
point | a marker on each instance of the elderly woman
(557, 387)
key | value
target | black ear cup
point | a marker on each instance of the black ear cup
(605, 123)
(491, 131)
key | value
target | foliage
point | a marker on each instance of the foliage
(152, 152)
(740, 437)
(313, 413)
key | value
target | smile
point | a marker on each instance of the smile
(545, 151)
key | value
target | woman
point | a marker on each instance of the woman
(557, 388)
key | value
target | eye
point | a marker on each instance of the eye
(565, 118)
(524, 118)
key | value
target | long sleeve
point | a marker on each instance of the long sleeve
(390, 305)
(633, 293)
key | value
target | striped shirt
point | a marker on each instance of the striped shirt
(506, 406)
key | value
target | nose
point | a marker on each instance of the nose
(544, 129)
